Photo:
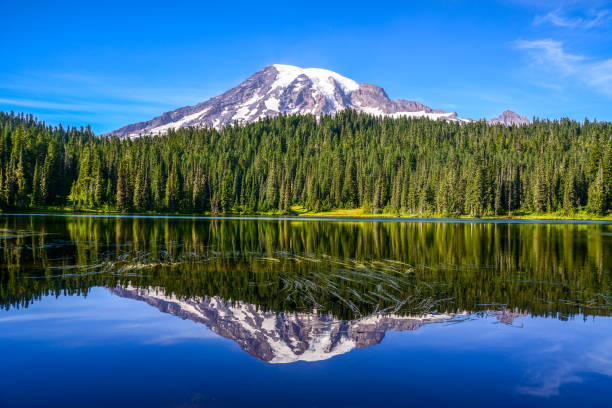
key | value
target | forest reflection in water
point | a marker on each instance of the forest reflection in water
(344, 269)
(287, 291)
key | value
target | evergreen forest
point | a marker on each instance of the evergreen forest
(402, 166)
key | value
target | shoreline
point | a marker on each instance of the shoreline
(536, 219)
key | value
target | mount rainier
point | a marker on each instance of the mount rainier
(288, 89)
(290, 337)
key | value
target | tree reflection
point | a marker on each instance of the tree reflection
(345, 269)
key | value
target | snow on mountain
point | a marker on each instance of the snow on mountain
(285, 89)
(280, 337)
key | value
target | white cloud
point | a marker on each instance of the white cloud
(75, 106)
(547, 381)
(29, 103)
(118, 90)
(550, 57)
(84, 98)
(559, 19)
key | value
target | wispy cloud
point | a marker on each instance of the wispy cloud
(29, 103)
(557, 4)
(119, 90)
(550, 58)
(73, 106)
(549, 384)
(547, 380)
(82, 98)
(559, 18)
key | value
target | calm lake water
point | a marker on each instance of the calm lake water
(180, 312)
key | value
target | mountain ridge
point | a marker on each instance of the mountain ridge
(281, 338)
(286, 89)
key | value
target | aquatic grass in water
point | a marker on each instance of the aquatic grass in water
(392, 286)
(347, 270)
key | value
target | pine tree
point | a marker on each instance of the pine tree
(540, 190)
(3, 193)
(141, 188)
(570, 196)
(474, 200)
(48, 171)
(98, 187)
(272, 188)
(597, 193)
(225, 197)
(36, 199)
(378, 198)
(171, 198)
(157, 188)
(22, 182)
(121, 196)
(607, 176)
(285, 204)
(349, 186)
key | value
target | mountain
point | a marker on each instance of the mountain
(288, 337)
(285, 89)
(280, 337)
(509, 118)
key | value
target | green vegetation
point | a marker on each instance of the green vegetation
(298, 164)
(348, 269)
(358, 212)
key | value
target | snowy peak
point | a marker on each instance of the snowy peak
(285, 89)
(281, 337)
(324, 81)
(290, 337)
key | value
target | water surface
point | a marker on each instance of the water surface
(196, 312)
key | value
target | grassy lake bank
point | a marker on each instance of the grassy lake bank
(358, 212)
(300, 212)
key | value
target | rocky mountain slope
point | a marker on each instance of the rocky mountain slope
(290, 90)
(288, 337)
(509, 118)
(280, 337)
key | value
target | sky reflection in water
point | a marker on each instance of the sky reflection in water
(111, 349)
(533, 332)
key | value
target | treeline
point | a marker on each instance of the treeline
(348, 270)
(350, 160)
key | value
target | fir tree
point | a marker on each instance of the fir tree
(597, 193)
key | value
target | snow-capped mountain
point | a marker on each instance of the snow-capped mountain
(280, 337)
(290, 337)
(285, 89)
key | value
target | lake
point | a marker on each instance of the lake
(204, 312)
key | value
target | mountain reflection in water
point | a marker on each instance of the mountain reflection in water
(348, 270)
(289, 337)
(286, 337)
(83, 296)
(294, 290)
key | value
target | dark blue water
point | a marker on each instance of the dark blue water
(264, 315)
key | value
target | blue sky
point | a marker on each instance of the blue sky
(112, 63)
